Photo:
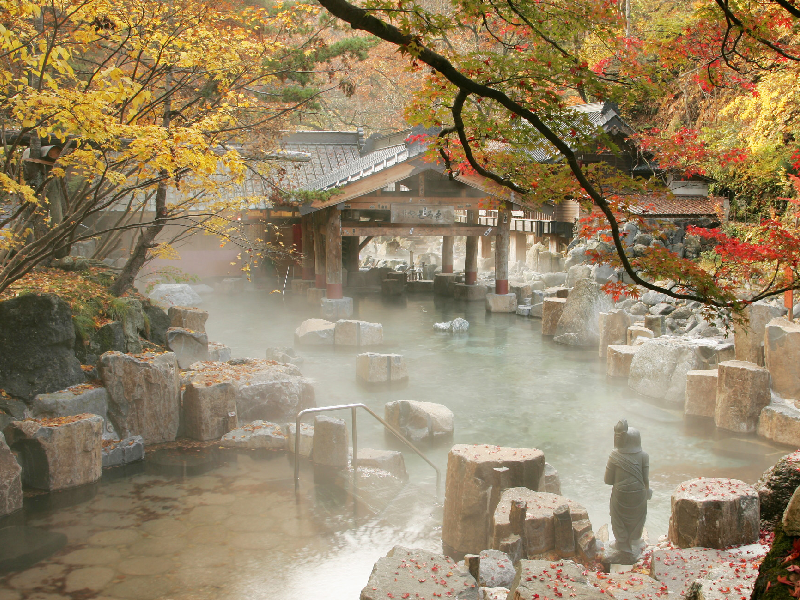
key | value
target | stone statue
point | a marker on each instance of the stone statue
(628, 471)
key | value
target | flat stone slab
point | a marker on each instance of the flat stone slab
(22, 547)
(678, 568)
(258, 434)
(629, 586)
(75, 400)
(390, 461)
(547, 580)
(122, 452)
(406, 573)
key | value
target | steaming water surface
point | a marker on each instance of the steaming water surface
(205, 523)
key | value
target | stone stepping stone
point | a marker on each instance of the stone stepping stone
(714, 513)
(410, 573)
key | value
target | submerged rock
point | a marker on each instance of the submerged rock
(457, 325)
(317, 332)
(419, 420)
(258, 434)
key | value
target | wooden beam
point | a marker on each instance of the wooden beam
(368, 184)
(366, 241)
(373, 229)
(385, 203)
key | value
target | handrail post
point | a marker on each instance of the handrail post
(355, 438)
(297, 453)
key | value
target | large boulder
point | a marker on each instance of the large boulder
(775, 488)
(184, 317)
(578, 324)
(613, 326)
(37, 338)
(412, 573)
(701, 393)
(782, 354)
(188, 346)
(157, 322)
(714, 513)
(175, 294)
(659, 367)
(742, 391)
(58, 453)
(208, 408)
(577, 272)
(76, 400)
(749, 333)
(780, 422)
(133, 323)
(10, 480)
(357, 333)
(419, 421)
(315, 332)
(476, 477)
(265, 390)
(143, 394)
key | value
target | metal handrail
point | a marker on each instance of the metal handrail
(352, 408)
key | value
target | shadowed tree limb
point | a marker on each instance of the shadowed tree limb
(361, 19)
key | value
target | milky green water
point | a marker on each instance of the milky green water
(219, 524)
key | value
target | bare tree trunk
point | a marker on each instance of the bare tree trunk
(627, 18)
(145, 241)
(147, 237)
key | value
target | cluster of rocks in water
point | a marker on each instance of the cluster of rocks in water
(520, 539)
(56, 438)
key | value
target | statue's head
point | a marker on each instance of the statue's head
(620, 430)
(633, 442)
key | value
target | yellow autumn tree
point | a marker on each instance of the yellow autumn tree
(154, 109)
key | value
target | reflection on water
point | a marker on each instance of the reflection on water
(220, 524)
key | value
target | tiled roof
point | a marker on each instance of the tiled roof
(668, 205)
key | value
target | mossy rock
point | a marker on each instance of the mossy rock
(773, 567)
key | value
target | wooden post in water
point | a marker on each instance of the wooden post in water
(501, 252)
(333, 254)
(319, 252)
(307, 229)
(447, 253)
(471, 260)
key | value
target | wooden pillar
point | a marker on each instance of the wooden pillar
(447, 253)
(319, 252)
(501, 252)
(471, 260)
(307, 228)
(333, 254)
